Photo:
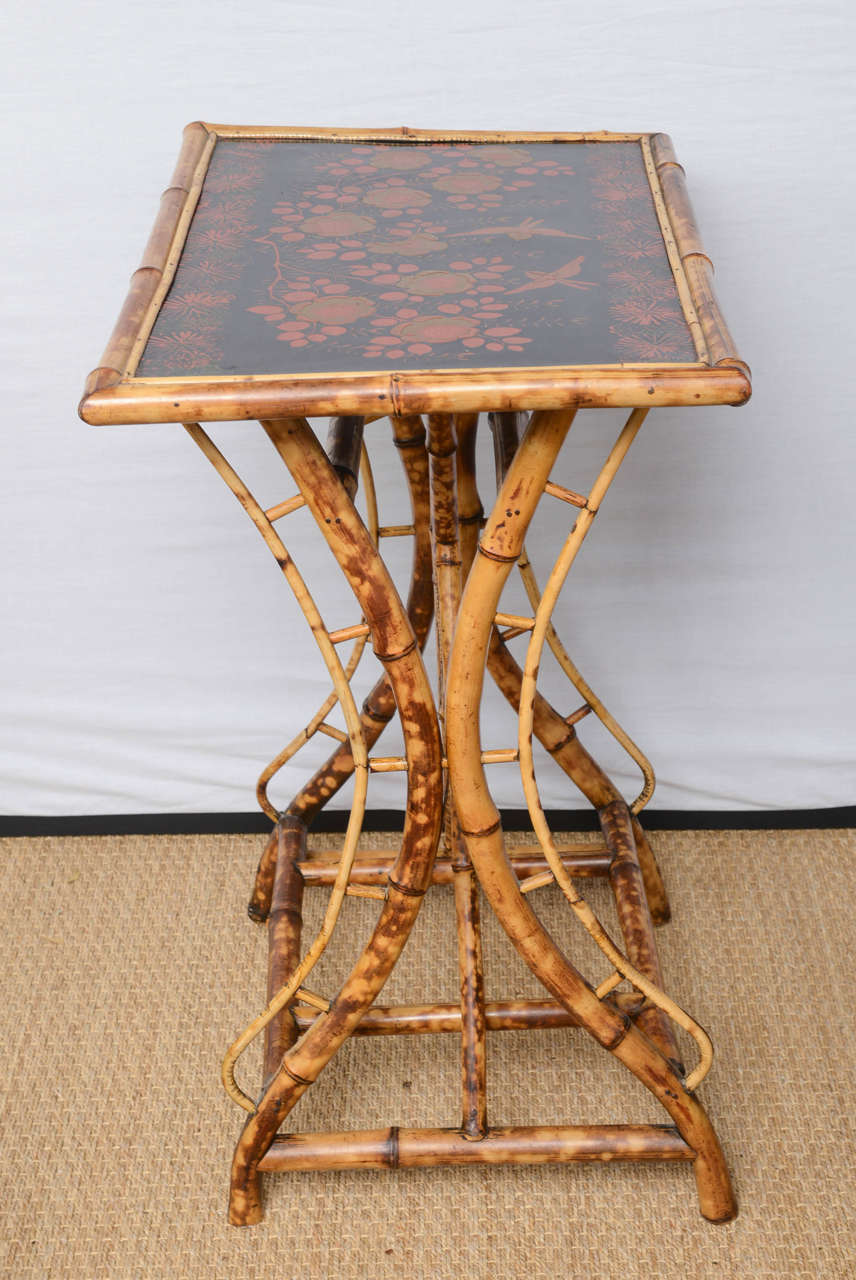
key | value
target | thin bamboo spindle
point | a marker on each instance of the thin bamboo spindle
(284, 926)
(445, 540)
(436, 1019)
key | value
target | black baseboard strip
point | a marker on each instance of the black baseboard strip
(335, 820)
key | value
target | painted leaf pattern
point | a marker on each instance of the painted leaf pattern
(329, 257)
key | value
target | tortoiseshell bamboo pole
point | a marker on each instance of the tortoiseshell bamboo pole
(395, 645)
(284, 926)
(374, 869)
(445, 541)
(414, 1148)
(500, 546)
(344, 445)
(443, 391)
(634, 918)
(500, 1015)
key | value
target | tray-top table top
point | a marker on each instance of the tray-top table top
(320, 271)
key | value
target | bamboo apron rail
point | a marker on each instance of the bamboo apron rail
(405, 283)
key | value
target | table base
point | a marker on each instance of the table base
(448, 799)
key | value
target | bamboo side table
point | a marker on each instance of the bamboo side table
(365, 275)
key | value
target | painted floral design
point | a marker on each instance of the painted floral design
(323, 257)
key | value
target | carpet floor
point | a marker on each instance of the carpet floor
(129, 964)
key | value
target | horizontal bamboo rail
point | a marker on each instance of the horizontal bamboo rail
(435, 1019)
(411, 1148)
(403, 133)
(204, 399)
(374, 869)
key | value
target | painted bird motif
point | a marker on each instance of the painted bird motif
(528, 228)
(563, 275)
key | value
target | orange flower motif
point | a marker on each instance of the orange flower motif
(187, 350)
(644, 312)
(410, 246)
(468, 184)
(337, 309)
(192, 306)
(337, 224)
(507, 157)
(432, 283)
(663, 345)
(438, 329)
(399, 158)
(396, 197)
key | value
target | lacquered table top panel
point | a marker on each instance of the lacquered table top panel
(315, 256)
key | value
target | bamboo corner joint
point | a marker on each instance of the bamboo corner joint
(431, 278)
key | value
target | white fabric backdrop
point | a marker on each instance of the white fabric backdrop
(153, 660)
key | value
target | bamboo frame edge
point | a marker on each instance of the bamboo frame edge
(125, 401)
(696, 264)
(151, 279)
(407, 133)
(111, 385)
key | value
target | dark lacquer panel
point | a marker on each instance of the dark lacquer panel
(325, 257)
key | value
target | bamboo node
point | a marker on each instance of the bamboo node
(396, 657)
(407, 890)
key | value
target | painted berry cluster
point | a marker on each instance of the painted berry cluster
(425, 255)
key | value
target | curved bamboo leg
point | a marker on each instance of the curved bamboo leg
(480, 824)
(379, 705)
(396, 647)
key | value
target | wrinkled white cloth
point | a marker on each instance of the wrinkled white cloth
(151, 656)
